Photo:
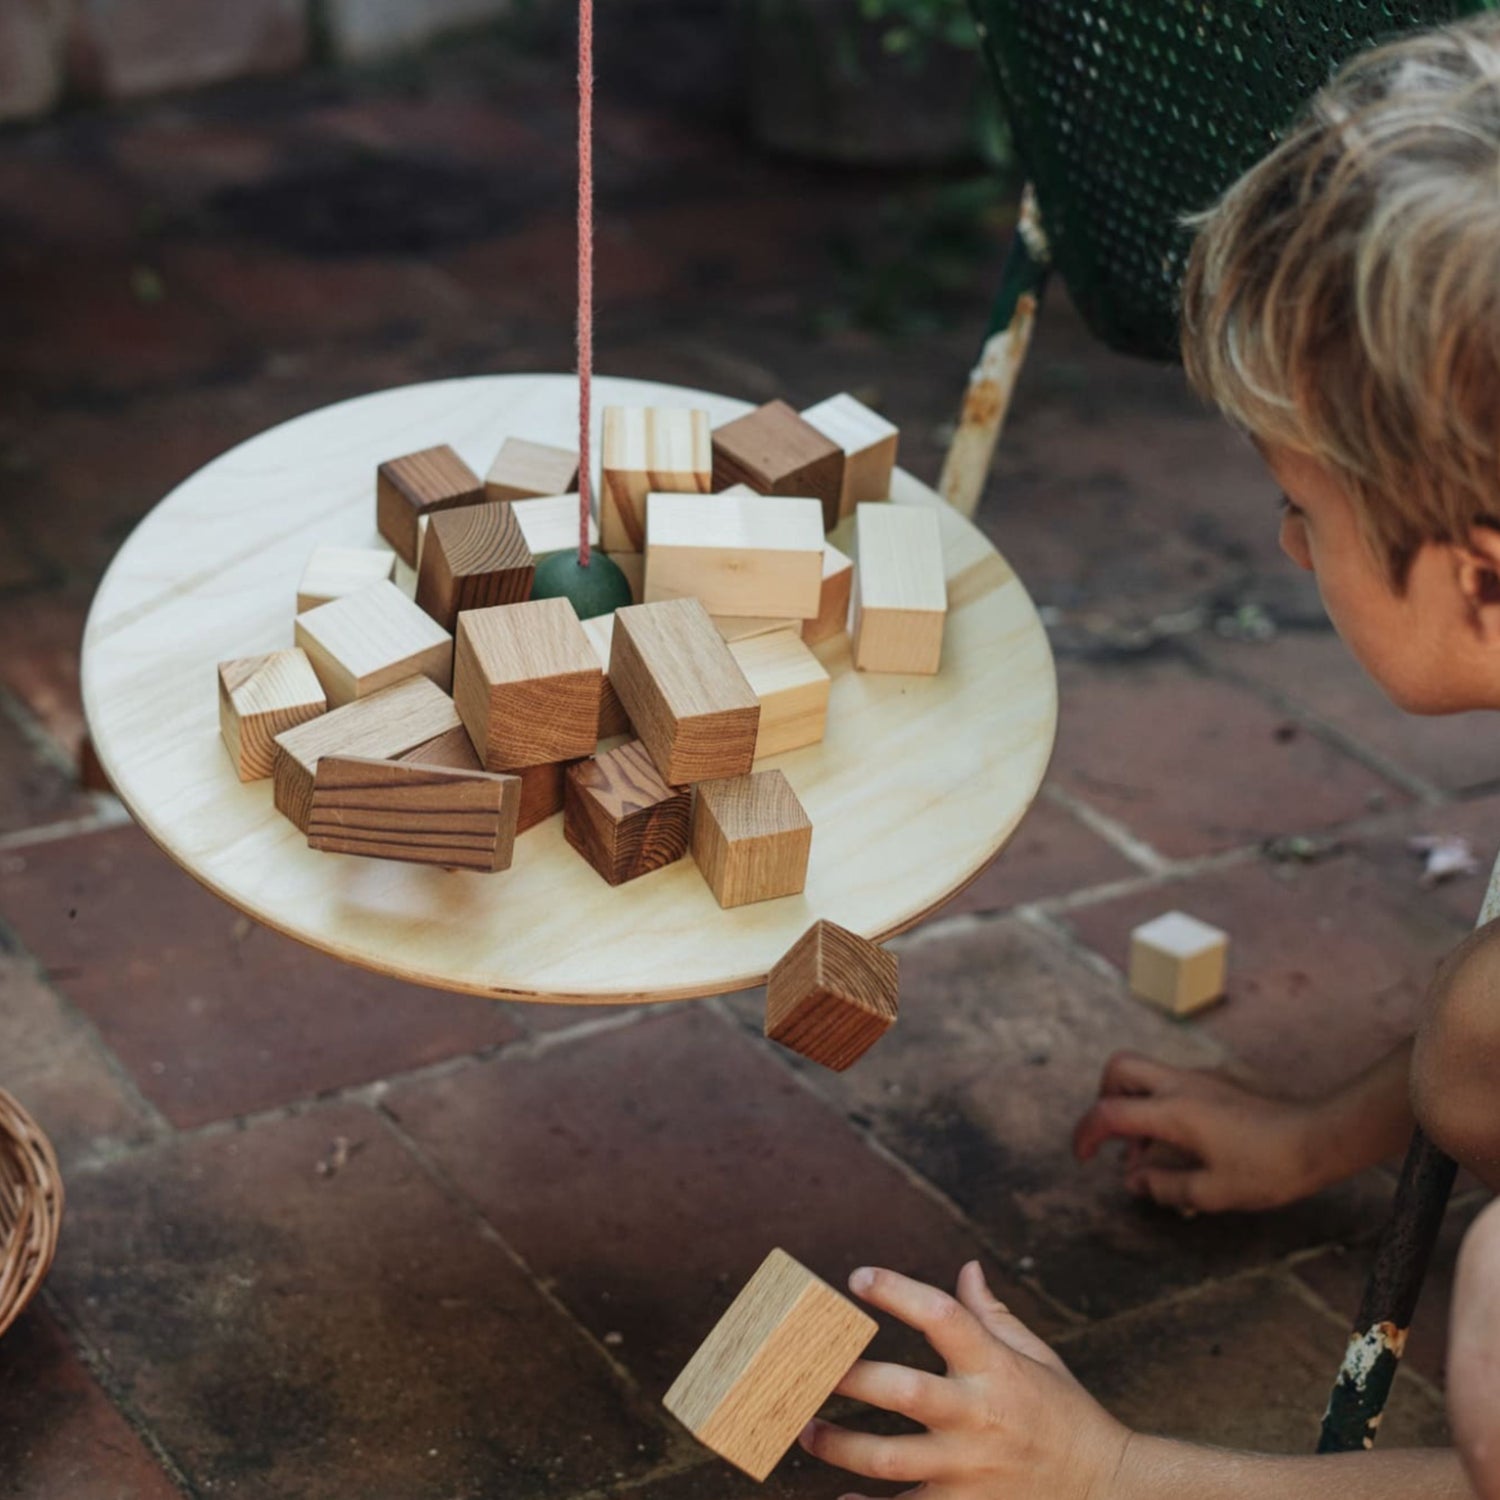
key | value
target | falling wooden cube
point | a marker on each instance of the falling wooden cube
(1178, 962)
(833, 598)
(685, 694)
(600, 629)
(383, 726)
(419, 813)
(622, 817)
(259, 696)
(751, 838)
(869, 445)
(369, 640)
(551, 524)
(832, 997)
(453, 749)
(776, 452)
(900, 589)
(646, 449)
(415, 485)
(756, 555)
(768, 1364)
(527, 684)
(332, 572)
(473, 558)
(522, 470)
(792, 686)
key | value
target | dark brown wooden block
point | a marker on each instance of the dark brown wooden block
(776, 452)
(832, 997)
(415, 485)
(541, 793)
(473, 557)
(622, 817)
(453, 749)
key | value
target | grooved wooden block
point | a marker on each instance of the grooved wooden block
(833, 996)
(541, 793)
(757, 555)
(1178, 962)
(407, 810)
(259, 696)
(522, 470)
(746, 627)
(900, 592)
(622, 817)
(833, 600)
(332, 572)
(751, 838)
(527, 684)
(366, 641)
(645, 449)
(600, 629)
(473, 558)
(684, 693)
(793, 689)
(415, 485)
(768, 1364)
(776, 452)
(453, 749)
(382, 726)
(551, 524)
(869, 444)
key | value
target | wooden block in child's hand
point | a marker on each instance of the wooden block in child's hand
(833, 598)
(527, 684)
(600, 629)
(832, 997)
(685, 695)
(769, 1363)
(473, 558)
(900, 589)
(551, 524)
(1178, 962)
(383, 726)
(622, 817)
(751, 838)
(869, 445)
(792, 686)
(414, 486)
(643, 449)
(259, 696)
(369, 640)
(776, 452)
(522, 470)
(408, 810)
(332, 572)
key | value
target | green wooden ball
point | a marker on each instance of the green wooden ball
(595, 590)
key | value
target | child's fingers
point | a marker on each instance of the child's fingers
(1172, 1187)
(1132, 1117)
(950, 1327)
(975, 1294)
(1133, 1073)
(900, 1459)
(928, 1399)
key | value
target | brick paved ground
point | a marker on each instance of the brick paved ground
(542, 1211)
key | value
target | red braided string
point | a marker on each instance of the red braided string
(585, 267)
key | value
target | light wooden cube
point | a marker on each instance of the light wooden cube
(776, 452)
(1178, 962)
(746, 627)
(369, 640)
(332, 572)
(769, 1363)
(415, 485)
(646, 449)
(259, 696)
(600, 629)
(472, 558)
(551, 524)
(522, 470)
(869, 443)
(833, 598)
(527, 684)
(900, 589)
(833, 996)
(622, 817)
(751, 838)
(793, 689)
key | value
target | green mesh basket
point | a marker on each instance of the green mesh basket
(1126, 114)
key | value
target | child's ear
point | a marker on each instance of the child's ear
(1479, 581)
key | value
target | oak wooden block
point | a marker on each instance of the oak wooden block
(746, 627)
(542, 793)
(381, 727)
(768, 1364)
(833, 599)
(646, 449)
(524, 469)
(622, 817)
(776, 452)
(259, 696)
(600, 629)
(793, 687)
(551, 524)
(757, 555)
(332, 572)
(366, 641)
(869, 444)
(833, 996)
(408, 810)
(1178, 962)
(527, 684)
(685, 694)
(453, 749)
(751, 838)
(415, 485)
(473, 558)
(900, 589)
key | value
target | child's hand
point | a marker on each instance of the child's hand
(1007, 1419)
(1198, 1142)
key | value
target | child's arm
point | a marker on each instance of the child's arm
(1474, 1354)
(1008, 1422)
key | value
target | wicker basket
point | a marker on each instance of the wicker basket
(31, 1201)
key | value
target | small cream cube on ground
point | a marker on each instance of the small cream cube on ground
(1178, 962)
(332, 572)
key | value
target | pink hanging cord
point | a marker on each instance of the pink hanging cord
(585, 268)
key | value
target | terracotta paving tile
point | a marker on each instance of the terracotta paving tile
(34, 789)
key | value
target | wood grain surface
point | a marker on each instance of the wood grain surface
(622, 817)
(472, 558)
(833, 996)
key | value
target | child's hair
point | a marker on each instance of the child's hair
(1343, 297)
